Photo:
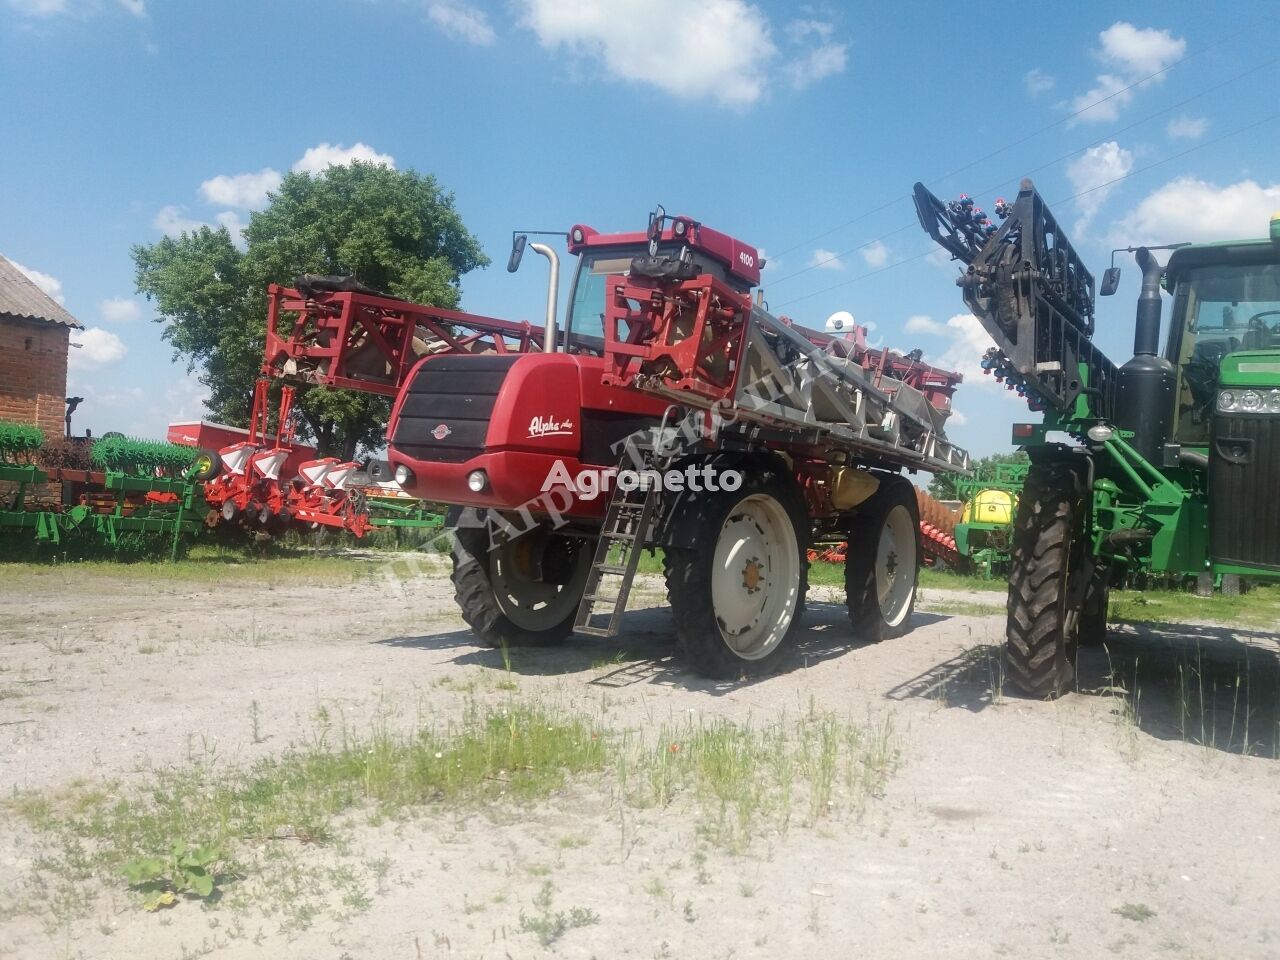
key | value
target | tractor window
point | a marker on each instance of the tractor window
(585, 323)
(1229, 307)
(586, 309)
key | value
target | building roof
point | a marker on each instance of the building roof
(22, 299)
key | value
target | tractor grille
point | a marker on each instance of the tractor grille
(1244, 480)
(447, 406)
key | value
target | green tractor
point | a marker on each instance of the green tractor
(1167, 464)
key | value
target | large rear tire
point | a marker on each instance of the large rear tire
(882, 564)
(736, 594)
(500, 598)
(1042, 628)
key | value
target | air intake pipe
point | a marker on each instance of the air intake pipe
(1147, 382)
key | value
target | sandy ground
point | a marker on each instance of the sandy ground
(1010, 827)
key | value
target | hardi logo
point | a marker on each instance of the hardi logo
(550, 427)
(441, 431)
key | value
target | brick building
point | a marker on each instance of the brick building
(35, 332)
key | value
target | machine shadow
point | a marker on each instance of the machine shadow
(1215, 686)
(645, 651)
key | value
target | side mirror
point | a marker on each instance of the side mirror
(517, 252)
(654, 232)
(1110, 281)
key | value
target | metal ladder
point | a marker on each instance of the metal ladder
(622, 537)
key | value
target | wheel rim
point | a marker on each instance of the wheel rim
(896, 560)
(204, 463)
(755, 577)
(531, 604)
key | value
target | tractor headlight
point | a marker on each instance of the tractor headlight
(1251, 401)
(1228, 401)
(1273, 401)
(403, 475)
(477, 481)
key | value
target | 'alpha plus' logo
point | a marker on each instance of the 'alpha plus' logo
(550, 427)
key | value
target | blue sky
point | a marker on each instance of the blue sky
(783, 124)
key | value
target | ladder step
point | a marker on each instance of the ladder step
(612, 568)
(621, 537)
(597, 598)
(592, 631)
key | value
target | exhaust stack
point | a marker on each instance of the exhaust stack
(1146, 384)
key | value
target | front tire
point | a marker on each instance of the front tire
(1042, 628)
(736, 594)
(882, 563)
(500, 599)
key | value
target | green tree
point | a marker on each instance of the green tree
(393, 230)
(943, 485)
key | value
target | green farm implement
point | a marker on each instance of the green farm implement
(103, 493)
(986, 522)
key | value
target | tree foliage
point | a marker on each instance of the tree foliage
(392, 230)
(943, 485)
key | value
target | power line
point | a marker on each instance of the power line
(1009, 146)
(1033, 170)
(1132, 173)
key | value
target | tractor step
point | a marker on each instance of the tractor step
(627, 522)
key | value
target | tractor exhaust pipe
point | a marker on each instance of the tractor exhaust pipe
(549, 344)
(1146, 331)
(1146, 383)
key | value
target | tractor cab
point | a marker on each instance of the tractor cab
(1226, 304)
(672, 246)
(1224, 344)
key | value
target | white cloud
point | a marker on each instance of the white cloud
(716, 49)
(46, 282)
(246, 191)
(186, 399)
(38, 8)
(919, 323)
(1187, 128)
(1104, 101)
(1139, 52)
(876, 254)
(119, 310)
(826, 260)
(231, 220)
(172, 220)
(319, 158)
(51, 8)
(95, 347)
(963, 354)
(1199, 211)
(819, 63)
(1093, 171)
(461, 22)
(957, 419)
(1131, 53)
(807, 67)
(1037, 82)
